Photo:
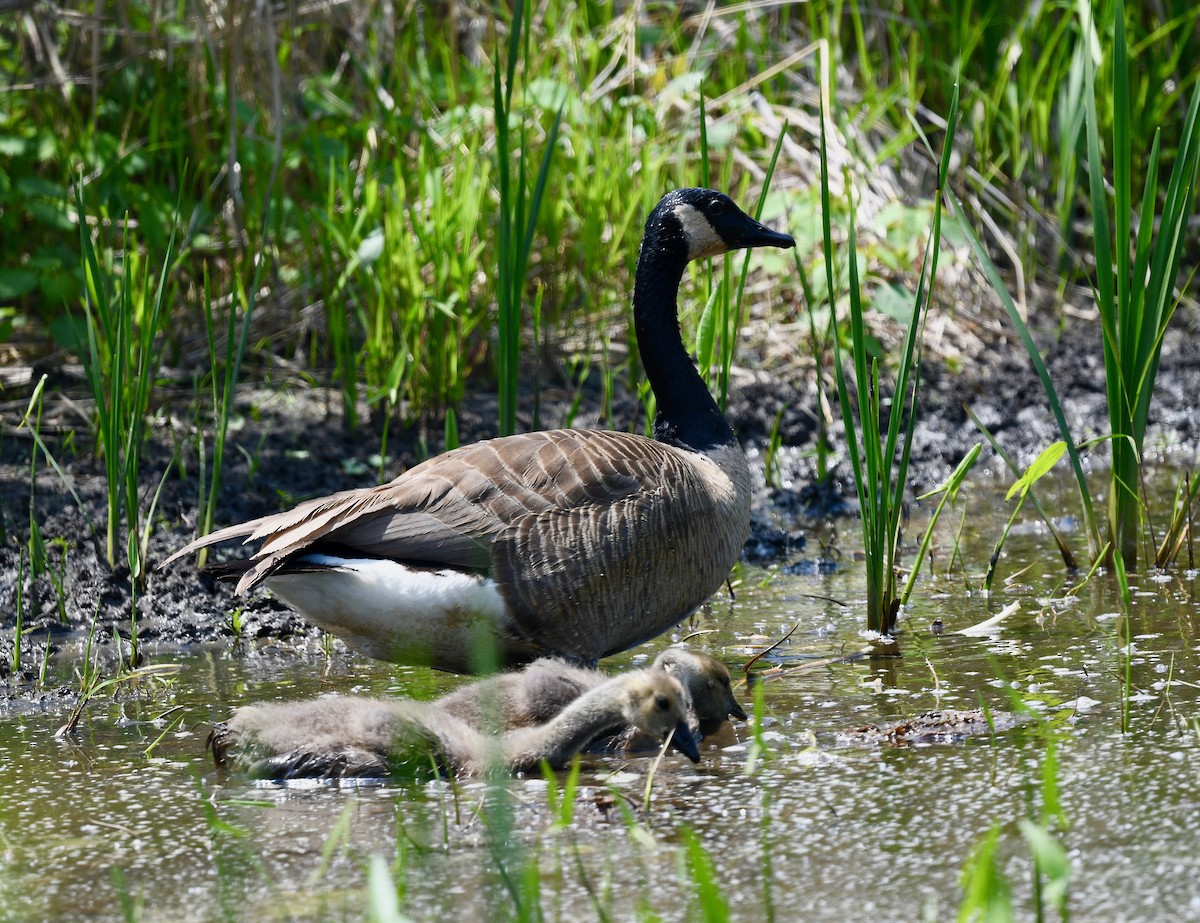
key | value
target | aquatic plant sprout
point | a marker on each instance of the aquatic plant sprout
(1022, 488)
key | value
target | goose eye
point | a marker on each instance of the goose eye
(661, 702)
(716, 207)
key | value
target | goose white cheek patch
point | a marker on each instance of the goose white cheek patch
(701, 239)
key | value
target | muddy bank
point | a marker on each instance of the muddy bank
(288, 443)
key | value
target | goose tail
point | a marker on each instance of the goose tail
(241, 530)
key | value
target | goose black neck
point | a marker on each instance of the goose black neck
(687, 415)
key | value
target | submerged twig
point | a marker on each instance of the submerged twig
(992, 625)
(766, 650)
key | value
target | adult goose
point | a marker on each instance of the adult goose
(576, 543)
(347, 736)
(543, 688)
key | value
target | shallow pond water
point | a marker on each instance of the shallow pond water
(127, 819)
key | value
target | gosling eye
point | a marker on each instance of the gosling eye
(661, 702)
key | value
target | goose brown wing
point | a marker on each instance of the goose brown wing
(447, 510)
(636, 565)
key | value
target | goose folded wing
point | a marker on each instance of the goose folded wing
(447, 510)
(637, 565)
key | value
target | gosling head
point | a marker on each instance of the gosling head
(704, 222)
(708, 683)
(657, 704)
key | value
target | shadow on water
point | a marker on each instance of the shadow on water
(818, 830)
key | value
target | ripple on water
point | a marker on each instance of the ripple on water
(855, 833)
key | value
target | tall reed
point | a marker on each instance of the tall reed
(1135, 312)
(223, 376)
(1091, 527)
(1136, 306)
(123, 318)
(518, 215)
(878, 458)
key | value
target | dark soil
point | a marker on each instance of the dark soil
(291, 444)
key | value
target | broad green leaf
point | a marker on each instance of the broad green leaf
(895, 302)
(16, 282)
(1041, 466)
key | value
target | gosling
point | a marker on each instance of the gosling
(535, 694)
(351, 737)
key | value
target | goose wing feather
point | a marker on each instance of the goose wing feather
(448, 510)
(636, 565)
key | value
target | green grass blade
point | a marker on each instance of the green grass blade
(703, 871)
(706, 331)
(730, 337)
(1122, 169)
(1091, 526)
(949, 490)
(539, 189)
(1106, 296)
(97, 325)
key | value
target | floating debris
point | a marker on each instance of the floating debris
(933, 727)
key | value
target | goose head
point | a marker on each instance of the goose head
(656, 703)
(697, 223)
(708, 682)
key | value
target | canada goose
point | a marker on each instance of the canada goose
(577, 543)
(346, 736)
(543, 688)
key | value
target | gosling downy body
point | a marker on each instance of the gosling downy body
(347, 736)
(543, 688)
(571, 543)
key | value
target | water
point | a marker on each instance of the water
(818, 830)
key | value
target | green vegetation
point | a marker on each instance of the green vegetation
(949, 490)
(223, 380)
(463, 178)
(1022, 488)
(519, 210)
(411, 203)
(384, 217)
(1135, 314)
(878, 458)
(122, 322)
(1021, 71)
(987, 894)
